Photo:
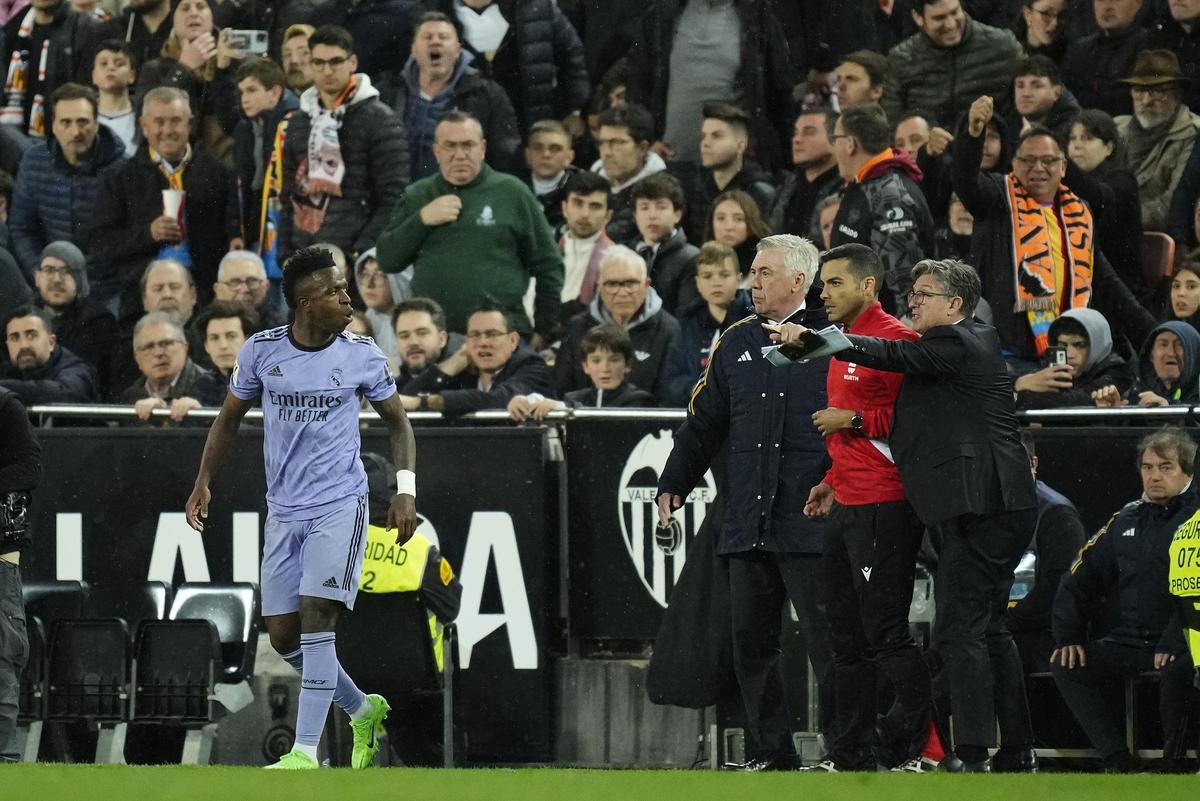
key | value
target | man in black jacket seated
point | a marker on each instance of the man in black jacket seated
(761, 417)
(956, 443)
(486, 373)
(1127, 562)
(40, 370)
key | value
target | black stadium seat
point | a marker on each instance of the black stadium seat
(54, 600)
(131, 602)
(234, 610)
(175, 668)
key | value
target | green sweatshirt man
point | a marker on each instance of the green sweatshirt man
(500, 240)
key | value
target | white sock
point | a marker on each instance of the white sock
(307, 750)
(362, 711)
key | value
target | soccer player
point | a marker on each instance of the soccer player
(310, 376)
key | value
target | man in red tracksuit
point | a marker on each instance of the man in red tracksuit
(872, 537)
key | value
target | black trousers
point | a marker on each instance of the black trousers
(1108, 664)
(14, 650)
(867, 585)
(760, 583)
(976, 558)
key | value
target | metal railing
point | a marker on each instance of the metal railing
(46, 414)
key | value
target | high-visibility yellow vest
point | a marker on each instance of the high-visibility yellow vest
(1184, 578)
(415, 566)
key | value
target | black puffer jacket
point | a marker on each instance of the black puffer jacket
(540, 63)
(764, 80)
(673, 271)
(944, 82)
(64, 378)
(374, 149)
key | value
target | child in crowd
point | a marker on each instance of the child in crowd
(112, 75)
(266, 101)
(703, 320)
(607, 359)
(670, 259)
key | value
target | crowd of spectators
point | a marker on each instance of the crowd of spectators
(568, 168)
(551, 205)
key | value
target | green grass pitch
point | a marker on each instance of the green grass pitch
(130, 783)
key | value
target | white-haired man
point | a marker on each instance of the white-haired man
(624, 296)
(242, 278)
(765, 416)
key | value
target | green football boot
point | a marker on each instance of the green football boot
(294, 760)
(367, 731)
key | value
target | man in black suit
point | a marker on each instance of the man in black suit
(758, 418)
(956, 442)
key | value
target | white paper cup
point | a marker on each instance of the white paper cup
(172, 202)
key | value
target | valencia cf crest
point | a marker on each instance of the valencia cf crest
(658, 563)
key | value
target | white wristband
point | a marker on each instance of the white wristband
(406, 483)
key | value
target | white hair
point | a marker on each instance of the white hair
(619, 254)
(240, 255)
(166, 95)
(799, 254)
(159, 318)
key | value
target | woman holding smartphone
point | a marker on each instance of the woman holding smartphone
(201, 61)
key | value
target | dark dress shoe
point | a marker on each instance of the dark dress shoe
(1023, 761)
(952, 764)
(762, 764)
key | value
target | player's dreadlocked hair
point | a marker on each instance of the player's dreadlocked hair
(300, 265)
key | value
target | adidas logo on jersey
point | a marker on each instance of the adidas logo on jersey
(745, 357)
(275, 371)
(331, 583)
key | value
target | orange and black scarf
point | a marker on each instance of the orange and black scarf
(1036, 290)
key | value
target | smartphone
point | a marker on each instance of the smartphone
(253, 43)
(1056, 356)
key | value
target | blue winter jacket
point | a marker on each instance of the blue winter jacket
(53, 201)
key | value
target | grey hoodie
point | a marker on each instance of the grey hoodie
(1100, 343)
